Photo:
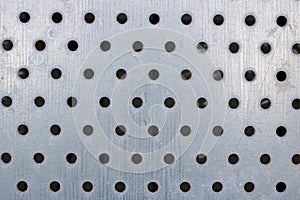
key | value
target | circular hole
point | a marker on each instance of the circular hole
(137, 102)
(57, 17)
(201, 158)
(87, 186)
(233, 103)
(24, 17)
(185, 186)
(104, 158)
(218, 20)
(104, 102)
(153, 130)
(169, 158)
(265, 103)
(186, 19)
(89, 18)
(105, 45)
(185, 130)
(250, 75)
(154, 18)
(249, 131)
(250, 20)
(39, 101)
(281, 131)
(88, 130)
(265, 48)
(170, 46)
(6, 101)
(169, 102)
(72, 102)
(72, 45)
(186, 74)
(202, 102)
(233, 159)
(152, 187)
(234, 47)
(281, 21)
(217, 130)
(218, 75)
(23, 73)
(249, 187)
(280, 187)
(55, 129)
(296, 48)
(136, 158)
(22, 186)
(38, 158)
(120, 130)
(54, 186)
(296, 159)
(121, 74)
(40, 45)
(265, 159)
(202, 46)
(137, 46)
(122, 18)
(217, 187)
(281, 76)
(56, 73)
(22, 129)
(71, 158)
(153, 74)
(7, 45)
(120, 187)
(296, 104)
(88, 73)
(6, 157)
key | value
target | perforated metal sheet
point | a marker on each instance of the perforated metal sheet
(150, 99)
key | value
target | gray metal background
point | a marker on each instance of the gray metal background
(89, 37)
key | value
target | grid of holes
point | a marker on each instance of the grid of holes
(137, 102)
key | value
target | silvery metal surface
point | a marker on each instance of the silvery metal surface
(193, 77)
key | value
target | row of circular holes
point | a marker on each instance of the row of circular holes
(154, 18)
(152, 186)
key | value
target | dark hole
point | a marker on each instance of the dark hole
(296, 159)
(54, 186)
(186, 19)
(153, 130)
(249, 187)
(170, 46)
(121, 74)
(234, 47)
(233, 103)
(6, 101)
(56, 73)
(24, 17)
(265, 103)
(280, 187)
(56, 17)
(218, 20)
(169, 102)
(120, 130)
(6, 157)
(38, 157)
(281, 21)
(265, 48)
(88, 73)
(105, 45)
(104, 102)
(281, 76)
(40, 45)
(122, 18)
(250, 75)
(87, 186)
(152, 187)
(137, 46)
(72, 102)
(217, 187)
(249, 131)
(154, 18)
(71, 158)
(233, 159)
(186, 74)
(265, 159)
(296, 48)
(250, 20)
(202, 102)
(7, 45)
(22, 186)
(218, 75)
(72, 45)
(39, 101)
(137, 102)
(55, 129)
(201, 158)
(23, 73)
(22, 129)
(281, 131)
(120, 187)
(296, 104)
(153, 74)
(89, 18)
(185, 186)
(202, 46)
